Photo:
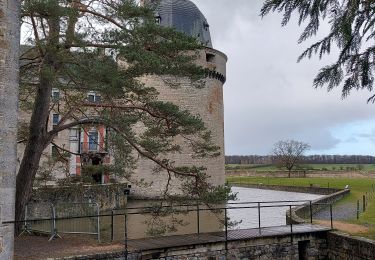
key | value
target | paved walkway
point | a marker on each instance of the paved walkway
(194, 239)
(37, 247)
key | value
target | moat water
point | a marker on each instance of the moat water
(189, 222)
(270, 216)
(214, 221)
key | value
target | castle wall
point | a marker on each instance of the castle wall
(9, 40)
(206, 102)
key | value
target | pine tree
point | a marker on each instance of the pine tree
(107, 46)
(352, 32)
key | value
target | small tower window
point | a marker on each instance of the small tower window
(210, 57)
(157, 18)
(55, 95)
(206, 26)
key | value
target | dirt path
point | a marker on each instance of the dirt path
(345, 227)
(38, 247)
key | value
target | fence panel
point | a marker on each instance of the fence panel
(38, 211)
(89, 225)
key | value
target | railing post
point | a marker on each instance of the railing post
(25, 228)
(98, 220)
(259, 224)
(53, 224)
(226, 229)
(112, 235)
(331, 214)
(126, 235)
(198, 219)
(291, 223)
(311, 213)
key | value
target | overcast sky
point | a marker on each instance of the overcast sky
(269, 97)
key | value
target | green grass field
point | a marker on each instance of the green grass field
(358, 187)
(313, 167)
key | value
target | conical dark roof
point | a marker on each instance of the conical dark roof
(184, 16)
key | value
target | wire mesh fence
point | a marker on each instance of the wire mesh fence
(62, 218)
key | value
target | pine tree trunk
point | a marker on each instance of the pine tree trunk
(25, 178)
(38, 140)
(9, 53)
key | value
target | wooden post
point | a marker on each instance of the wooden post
(357, 209)
(364, 203)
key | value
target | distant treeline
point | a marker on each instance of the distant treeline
(313, 159)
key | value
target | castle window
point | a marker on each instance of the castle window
(55, 95)
(210, 57)
(54, 151)
(93, 140)
(73, 135)
(93, 97)
(55, 119)
(206, 26)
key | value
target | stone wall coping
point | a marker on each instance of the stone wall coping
(298, 189)
(332, 197)
(354, 238)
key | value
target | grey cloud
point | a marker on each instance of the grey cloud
(268, 95)
(352, 139)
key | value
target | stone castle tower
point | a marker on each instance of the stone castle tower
(88, 142)
(184, 16)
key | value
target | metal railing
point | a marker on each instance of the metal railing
(196, 208)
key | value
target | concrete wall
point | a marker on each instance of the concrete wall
(9, 42)
(344, 247)
(207, 102)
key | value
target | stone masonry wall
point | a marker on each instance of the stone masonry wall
(207, 102)
(344, 247)
(9, 42)
(281, 248)
(107, 196)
